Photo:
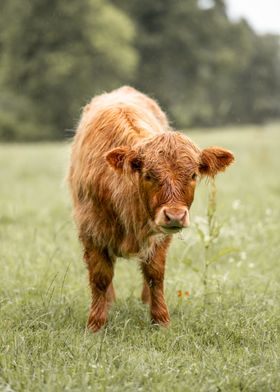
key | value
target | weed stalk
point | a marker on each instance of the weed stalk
(213, 232)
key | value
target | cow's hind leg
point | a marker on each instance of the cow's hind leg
(146, 296)
(153, 271)
(101, 271)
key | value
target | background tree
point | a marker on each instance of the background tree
(203, 68)
(54, 56)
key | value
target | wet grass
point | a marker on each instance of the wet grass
(223, 338)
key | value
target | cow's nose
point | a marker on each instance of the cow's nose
(175, 217)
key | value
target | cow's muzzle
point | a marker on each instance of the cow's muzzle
(172, 220)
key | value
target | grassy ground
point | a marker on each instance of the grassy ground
(223, 337)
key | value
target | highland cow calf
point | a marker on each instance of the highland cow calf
(132, 181)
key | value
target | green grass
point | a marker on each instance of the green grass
(224, 339)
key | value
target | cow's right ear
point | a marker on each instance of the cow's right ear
(117, 157)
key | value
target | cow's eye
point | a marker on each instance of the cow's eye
(149, 177)
(194, 176)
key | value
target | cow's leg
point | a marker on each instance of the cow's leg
(153, 271)
(146, 296)
(101, 270)
(110, 294)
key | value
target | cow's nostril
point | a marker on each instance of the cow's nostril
(174, 218)
(167, 217)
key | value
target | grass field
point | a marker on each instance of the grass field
(223, 337)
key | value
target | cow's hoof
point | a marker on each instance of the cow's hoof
(95, 322)
(161, 319)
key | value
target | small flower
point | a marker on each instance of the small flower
(181, 294)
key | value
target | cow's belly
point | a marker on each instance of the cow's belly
(131, 248)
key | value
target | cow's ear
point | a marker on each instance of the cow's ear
(214, 160)
(118, 156)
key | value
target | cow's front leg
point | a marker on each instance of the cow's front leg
(153, 271)
(101, 271)
(110, 294)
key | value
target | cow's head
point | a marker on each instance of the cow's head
(167, 167)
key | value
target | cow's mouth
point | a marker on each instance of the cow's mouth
(170, 229)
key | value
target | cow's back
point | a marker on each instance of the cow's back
(121, 117)
(139, 106)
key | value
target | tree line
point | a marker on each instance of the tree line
(204, 69)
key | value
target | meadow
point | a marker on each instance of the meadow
(225, 328)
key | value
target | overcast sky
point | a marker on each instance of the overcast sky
(263, 15)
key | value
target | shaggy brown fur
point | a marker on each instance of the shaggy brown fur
(132, 181)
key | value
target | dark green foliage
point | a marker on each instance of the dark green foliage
(204, 69)
(55, 56)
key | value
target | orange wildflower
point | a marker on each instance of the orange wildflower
(180, 293)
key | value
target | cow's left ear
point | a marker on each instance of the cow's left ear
(214, 160)
(120, 155)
